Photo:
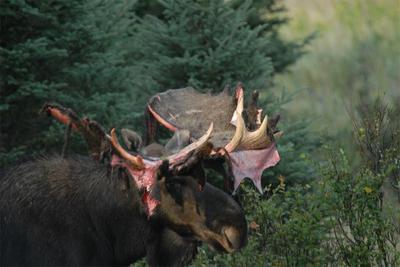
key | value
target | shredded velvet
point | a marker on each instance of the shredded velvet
(145, 180)
(189, 109)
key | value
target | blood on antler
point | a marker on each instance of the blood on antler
(93, 133)
(183, 161)
(245, 142)
(183, 156)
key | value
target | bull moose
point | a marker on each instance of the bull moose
(119, 206)
(73, 211)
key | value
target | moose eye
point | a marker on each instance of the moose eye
(174, 188)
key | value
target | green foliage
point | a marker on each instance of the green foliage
(378, 133)
(32, 51)
(336, 220)
(52, 51)
(296, 148)
(356, 51)
(204, 44)
(342, 218)
(285, 230)
(362, 234)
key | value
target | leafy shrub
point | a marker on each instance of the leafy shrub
(338, 219)
(362, 234)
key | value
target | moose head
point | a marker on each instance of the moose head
(172, 183)
(170, 179)
(181, 199)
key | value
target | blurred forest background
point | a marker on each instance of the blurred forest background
(330, 68)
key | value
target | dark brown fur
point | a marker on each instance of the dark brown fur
(71, 212)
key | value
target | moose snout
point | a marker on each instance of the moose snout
(236, 237)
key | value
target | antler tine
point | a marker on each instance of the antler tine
(240, 126)
(243, 139)
(239, 132)
(257, 139)
(136, 161)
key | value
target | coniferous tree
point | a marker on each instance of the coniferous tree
(54, 51)
(208, 44)
(205, 44)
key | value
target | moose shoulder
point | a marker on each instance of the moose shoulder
(56, 211)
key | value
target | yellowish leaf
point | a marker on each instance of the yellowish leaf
(368, 190)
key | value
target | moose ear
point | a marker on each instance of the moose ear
(199, 175)
(132, 139)
(274, 121)
(179, 140)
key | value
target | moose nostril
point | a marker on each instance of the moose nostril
(233, 236)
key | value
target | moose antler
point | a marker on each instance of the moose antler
(142, 169)
(99, 142)
(174, 160)
(93, 133)
(240, 127)
(249, 143)
(136, 161)
(244, 139)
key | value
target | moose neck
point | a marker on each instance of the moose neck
(113, 204)
(134, 233)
